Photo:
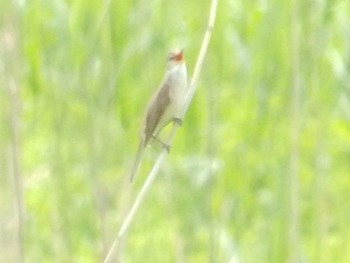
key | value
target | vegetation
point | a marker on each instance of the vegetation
(259, 171)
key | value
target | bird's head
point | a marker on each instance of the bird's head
(175, 57)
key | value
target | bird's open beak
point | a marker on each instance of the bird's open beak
(177, 57)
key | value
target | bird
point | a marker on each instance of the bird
(165, 105)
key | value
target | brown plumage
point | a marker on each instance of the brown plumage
(165, 105)
(155, 111)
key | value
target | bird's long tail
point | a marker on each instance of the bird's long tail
(137, 162)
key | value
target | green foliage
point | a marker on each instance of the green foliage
(258, 172)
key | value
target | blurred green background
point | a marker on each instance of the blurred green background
(259, 171)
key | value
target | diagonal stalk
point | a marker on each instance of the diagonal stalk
(159, 161)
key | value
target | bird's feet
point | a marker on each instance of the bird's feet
(166, 146)
(177, 120)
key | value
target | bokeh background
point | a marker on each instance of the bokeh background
(259, 171)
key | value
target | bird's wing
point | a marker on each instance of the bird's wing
(156, 110)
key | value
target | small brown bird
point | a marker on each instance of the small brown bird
(165, 105)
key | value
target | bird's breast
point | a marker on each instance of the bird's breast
(179, 82)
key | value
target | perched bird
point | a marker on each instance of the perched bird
(166, 104)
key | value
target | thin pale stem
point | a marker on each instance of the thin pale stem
(159, 161)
